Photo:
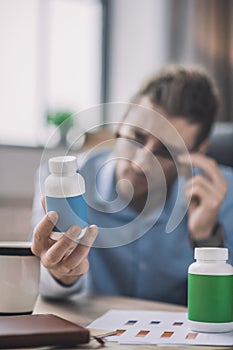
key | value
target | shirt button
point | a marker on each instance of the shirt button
(142, 265)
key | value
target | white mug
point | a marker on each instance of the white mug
(19, 278)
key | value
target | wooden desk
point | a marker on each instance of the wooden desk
(85, 311)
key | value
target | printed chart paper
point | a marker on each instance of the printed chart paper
(156, 327)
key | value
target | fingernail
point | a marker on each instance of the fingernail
(53, 217)
(73, 233)
(93, 228)
(90, 237)
(84, 230)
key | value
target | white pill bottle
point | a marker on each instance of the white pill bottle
(210, 291)
(64, 193)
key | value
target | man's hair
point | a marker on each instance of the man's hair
(184, 91)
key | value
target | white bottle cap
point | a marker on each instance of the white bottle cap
(211, 253)
(65, 164)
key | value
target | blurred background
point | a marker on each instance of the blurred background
(59, 57)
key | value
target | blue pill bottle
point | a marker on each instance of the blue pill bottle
(65, 193)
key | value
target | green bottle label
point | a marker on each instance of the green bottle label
(210, 298)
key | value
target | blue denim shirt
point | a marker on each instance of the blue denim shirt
(133, 255)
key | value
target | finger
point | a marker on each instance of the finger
(61, 248)
(195, 193)
(208, 165)
(218, 191)
(81, 269)
(195, 190)
(205, 194)
(43, 203)
(89, 236)
(81, 251)
(42, 232)
(185, 170)
(200, 181)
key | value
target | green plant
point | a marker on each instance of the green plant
(59, 117)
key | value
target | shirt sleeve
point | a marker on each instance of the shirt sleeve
(51, 289)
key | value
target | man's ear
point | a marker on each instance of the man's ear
(203, 146)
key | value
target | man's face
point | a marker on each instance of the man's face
(147, 148)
